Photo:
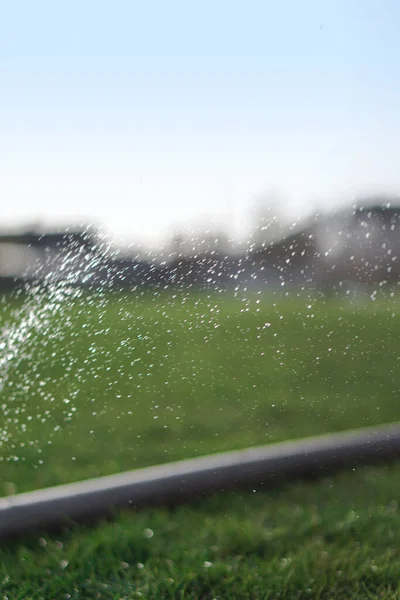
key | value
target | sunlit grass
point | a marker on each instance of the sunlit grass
(118, 382)
(336, 539)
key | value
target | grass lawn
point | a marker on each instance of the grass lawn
(336, 539)
(115, 382)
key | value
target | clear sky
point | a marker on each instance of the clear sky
(141, 115)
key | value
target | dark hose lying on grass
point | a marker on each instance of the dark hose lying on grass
(177, 482)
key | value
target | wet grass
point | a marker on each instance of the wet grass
(118, 382)
(154, 378)
(335, 539)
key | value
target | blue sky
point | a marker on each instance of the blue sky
(142, 115)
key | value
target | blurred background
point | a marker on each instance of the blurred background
(355, 250)
(199, 228)
(195, 130)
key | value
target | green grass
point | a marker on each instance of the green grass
(158, 378)
(154, 378)
(336, 539)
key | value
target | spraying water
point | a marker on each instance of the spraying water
(194, 355)
(54, 285)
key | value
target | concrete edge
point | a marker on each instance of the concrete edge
(177, 482)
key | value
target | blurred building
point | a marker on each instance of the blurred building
(359, 246)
